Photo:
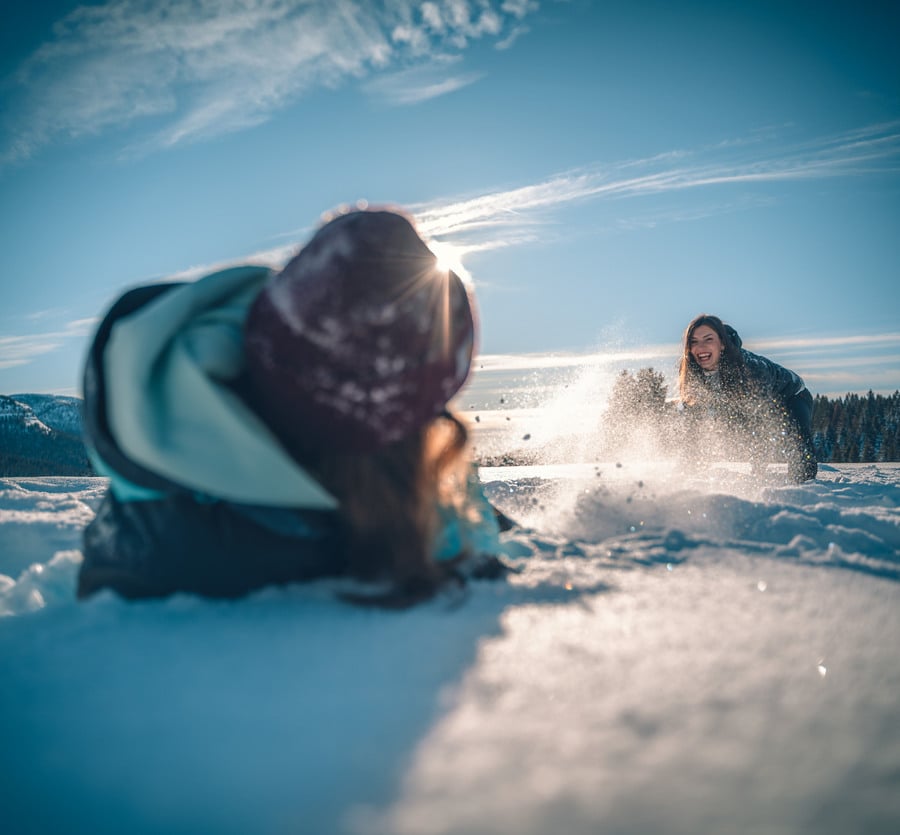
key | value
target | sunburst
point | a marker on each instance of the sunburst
(449, 258)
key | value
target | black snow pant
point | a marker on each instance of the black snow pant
(802, 466)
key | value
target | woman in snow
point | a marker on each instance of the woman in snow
(265, 428)
(766, 404)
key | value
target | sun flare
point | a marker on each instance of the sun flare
(449, 258)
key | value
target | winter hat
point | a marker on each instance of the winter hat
(360, 339)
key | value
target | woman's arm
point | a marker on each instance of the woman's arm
(774, 379)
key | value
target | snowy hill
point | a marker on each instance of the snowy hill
(40, 434)
(60, 413)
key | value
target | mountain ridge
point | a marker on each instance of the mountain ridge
(41, 435)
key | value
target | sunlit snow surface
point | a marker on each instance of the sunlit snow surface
(679, 653)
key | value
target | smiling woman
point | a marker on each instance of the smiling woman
(731, 393)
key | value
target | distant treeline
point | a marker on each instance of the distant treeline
(37, 454)
(857, 428)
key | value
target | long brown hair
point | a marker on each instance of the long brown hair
(732, 369)
(389, 502)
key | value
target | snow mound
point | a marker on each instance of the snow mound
(649, 513)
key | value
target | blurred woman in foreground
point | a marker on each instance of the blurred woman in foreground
(263, 428)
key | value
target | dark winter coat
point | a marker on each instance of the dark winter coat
(202, 497)
(765, 380)
(769, 377)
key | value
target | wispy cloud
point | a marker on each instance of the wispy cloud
(529, 213)
(512, 37)
(207, 67)
(684, 214)
(48, 313)
(819, 343)
(863, 151)
(21, 350)
(420, 83)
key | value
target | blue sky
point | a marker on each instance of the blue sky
(605, 170)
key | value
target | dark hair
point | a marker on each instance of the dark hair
(731, 364)
(389, 501)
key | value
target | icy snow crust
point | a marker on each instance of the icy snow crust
(677, 653)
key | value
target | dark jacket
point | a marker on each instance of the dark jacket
(154, 535)
(771, 378)
(202, 497)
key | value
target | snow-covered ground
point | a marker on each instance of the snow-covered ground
(678, 653)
